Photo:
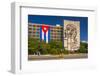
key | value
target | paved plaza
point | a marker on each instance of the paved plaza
(51, 57)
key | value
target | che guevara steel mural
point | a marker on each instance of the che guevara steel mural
(71, 35)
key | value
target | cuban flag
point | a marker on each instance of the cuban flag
(45, 33)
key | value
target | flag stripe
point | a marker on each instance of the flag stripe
(47, 37)
(44, 37)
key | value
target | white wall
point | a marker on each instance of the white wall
(5, 33)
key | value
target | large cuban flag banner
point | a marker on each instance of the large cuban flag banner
(45, 33)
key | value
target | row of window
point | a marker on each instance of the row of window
(56, 33)
(56, 27)
(37, 35)
(52, 27)
(55, 30)
(51, 34)
(34, 28)
(36, 31)
(34, 25)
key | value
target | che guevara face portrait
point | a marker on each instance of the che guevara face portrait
(70, 31)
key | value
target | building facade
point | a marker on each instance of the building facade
(56, 32)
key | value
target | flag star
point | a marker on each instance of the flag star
(44, 28)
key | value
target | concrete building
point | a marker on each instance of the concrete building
(71, 35)
(56, 32)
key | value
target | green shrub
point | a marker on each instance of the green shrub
(31, 50)
(44, 52)
(65, 51)
(53, 51)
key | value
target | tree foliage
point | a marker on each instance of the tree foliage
(53, 47)
(83, 48)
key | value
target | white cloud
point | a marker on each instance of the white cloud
(84, 41)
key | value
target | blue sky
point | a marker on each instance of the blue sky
(53, 20)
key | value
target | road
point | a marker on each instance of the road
(50, 57)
